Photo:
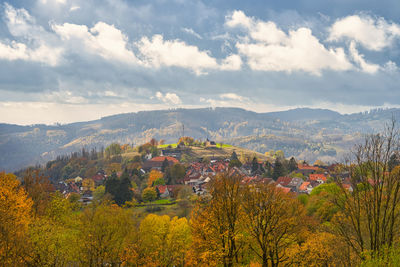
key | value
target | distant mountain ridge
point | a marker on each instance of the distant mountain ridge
(305, 133)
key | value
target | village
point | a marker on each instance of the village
(154, 172)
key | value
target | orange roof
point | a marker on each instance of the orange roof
(317, 176)
(284, 189)
(303, 186)
(161, 188)
(158, 159)
(306, 167)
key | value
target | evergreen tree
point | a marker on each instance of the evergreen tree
(292, 164)
(234, 156)
(164, 166)
(254, 165)
(124, 189)
(279, 169)
(112, 185)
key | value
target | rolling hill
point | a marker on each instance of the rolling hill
(304, 133)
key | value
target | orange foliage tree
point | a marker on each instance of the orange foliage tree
(153, 176)
(15, 216)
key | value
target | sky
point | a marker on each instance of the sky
(64, 61)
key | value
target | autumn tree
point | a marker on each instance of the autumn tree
(104, 231)
(149, 194)
(153, 176)
(273, 220)
(52, 236)
(39, 190)
(161, 241)
(369, 216)
(15, 209)
(113, 150)
(175, 173)
(216, 223)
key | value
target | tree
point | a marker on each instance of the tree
(216, 223)
(161, 242)
(15, 208)
(153, 176)
(159, 181)
(273, 219)
(113, 150)
(112, 185)
(369, 217)
(99, 193)
(104, 231)
(234, 156)
(292, 166)
(125, 189)
(175, 173)
(254, 165)
(39, 190)
(187, 140)
(165, 165)
(149, 194)
(279, 169)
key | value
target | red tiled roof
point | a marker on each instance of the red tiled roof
(306, 167)
(284, 181)
(316, 176)
(161, 188)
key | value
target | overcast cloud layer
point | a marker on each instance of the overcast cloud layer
(75, 60)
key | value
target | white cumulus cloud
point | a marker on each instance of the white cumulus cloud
(271, 49)
(158, 52)
(102, 39)
(359, 59)
(372, 33)
(169, 98)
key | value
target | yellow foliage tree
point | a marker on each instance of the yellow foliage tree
(217, 224)
(161, 242)
(15, 216)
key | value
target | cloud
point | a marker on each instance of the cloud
(372, 33)
(103, 39)
(169, 98)
(271, 49)
(192, 32)
(19, 51)
(158, 52)
(233, 96)
(359, 59)
(73, 8)
(22, 25)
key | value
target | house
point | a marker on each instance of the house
(156, 163)
(210, 143)
(163, 191)
(306, 169)
(284, 181)
(284, 189)
(295, 183)
(305, 187)
(320, 178)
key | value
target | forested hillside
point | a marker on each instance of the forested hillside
(304, 133)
